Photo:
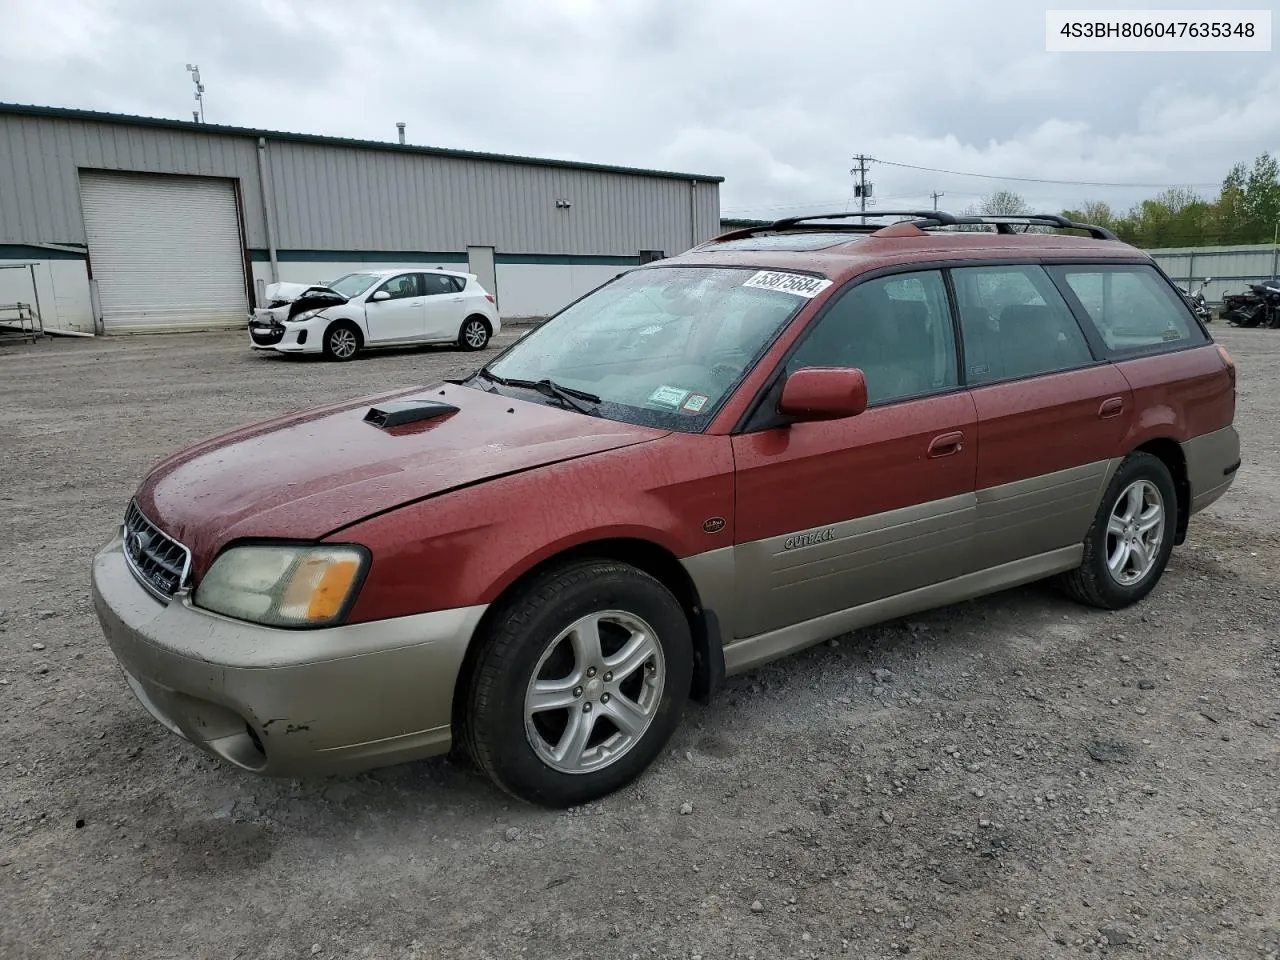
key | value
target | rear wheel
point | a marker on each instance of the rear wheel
(581, 681)
(474, 334)
(1131, 538)
(341, 341)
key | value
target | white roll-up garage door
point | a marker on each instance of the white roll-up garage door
(165, 252)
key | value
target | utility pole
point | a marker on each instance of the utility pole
(935, 196)
(863, 189)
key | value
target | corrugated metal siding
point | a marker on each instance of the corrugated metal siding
(1232, 268)
(331, 198)
(337, 198)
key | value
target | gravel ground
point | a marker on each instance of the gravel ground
(1012, 777)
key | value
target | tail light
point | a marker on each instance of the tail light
(1230, 364)
(489, 297)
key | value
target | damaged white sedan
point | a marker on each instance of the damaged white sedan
(375, 308)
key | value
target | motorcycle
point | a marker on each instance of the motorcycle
(1197, 301)
(1258, 308)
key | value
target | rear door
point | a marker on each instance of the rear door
(831, 515)
(1052, 416)
(1179, 380)
(446, 306)
(400, 317)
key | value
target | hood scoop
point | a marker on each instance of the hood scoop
(397, 413)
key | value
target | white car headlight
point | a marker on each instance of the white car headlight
(283, 586)
(308, 314)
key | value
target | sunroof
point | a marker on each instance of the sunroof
(789, 241)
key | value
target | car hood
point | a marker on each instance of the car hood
(308, 474)
(287, 300)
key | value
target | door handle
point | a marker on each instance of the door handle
(458, 299)
(1111, 407)
(946, 444)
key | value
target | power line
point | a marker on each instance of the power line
(1070, 183)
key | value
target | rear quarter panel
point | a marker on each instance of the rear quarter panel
(1179, 395)
(467, 546)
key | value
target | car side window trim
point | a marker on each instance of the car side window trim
(1094, 346)
(1058, 273)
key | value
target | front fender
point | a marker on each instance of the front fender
(467, 546)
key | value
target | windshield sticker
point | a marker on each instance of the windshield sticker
(695, 403)
(668, 396)
(797, 283)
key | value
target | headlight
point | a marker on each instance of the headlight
(307, 314)
(283, 586)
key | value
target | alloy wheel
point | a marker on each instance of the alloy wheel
(342, 343)
(475, 334)
(1135, 532)
(594, 692)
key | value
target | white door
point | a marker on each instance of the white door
(446, 306)
(480, 262)
(398, 315)
(165, 251)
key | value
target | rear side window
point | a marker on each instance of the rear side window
(438, 283)
(896, 329)
(1015, 324)
(1132, 306)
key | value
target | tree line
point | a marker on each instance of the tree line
(1246, 210)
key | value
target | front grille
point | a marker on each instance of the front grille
(266, 336)
(160, 563)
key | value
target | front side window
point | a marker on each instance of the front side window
(404, 286)
(661, 346)
(353, 284)
(897, 330)
(1131, 306)
(1015, 324)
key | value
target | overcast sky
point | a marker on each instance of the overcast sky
(776, 96)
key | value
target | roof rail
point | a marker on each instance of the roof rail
(1005, 223)
(937, 216)
(923, 219)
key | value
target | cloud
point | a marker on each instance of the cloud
(776, 97)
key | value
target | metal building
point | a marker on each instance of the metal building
(137, 224)
(1232, 269)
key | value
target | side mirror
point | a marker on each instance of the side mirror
(380, 295)
(1208, 279)
(824, 393)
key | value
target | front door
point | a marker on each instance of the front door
(832, 515)
(401, 314)
(1051, 418)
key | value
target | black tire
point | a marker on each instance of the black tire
(494, 725)
(1092, 582)
(474, 333)
(342, 341)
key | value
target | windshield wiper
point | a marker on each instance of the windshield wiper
(549, 388)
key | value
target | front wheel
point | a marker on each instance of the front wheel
(1131, 538)
(341, 341)
(474, 334)
(580, 683)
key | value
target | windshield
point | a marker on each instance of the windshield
(661, 346)
(353, 284)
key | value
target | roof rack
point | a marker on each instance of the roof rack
(1005, 224)
(922, 219)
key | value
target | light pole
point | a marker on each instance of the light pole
(194, 70)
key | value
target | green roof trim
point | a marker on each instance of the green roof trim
(190, 126)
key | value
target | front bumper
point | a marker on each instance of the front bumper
(285, 702)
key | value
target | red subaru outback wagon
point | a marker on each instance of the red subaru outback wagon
(709, 462)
